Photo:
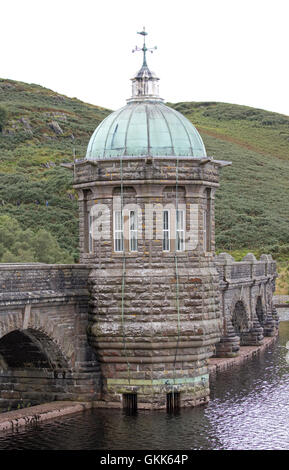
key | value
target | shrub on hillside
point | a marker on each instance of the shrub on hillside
(24, 246)
(3, 117)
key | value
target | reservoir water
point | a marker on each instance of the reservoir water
(249, 409)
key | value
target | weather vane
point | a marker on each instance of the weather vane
(144, 48)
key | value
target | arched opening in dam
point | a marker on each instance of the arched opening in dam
(260, 311)
(240, 320)
(33, 369)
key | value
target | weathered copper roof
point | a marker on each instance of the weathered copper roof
(145, 128)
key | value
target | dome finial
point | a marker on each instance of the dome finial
(145, 83)
(144, 48)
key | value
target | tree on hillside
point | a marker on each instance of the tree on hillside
(26, 246)
(47, 250)
(3, 117)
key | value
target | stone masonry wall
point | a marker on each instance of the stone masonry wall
(49, 305)
(248, 312)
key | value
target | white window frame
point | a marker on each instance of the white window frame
(166, 231)
(118, 225)
(180, 229)
(133, 242)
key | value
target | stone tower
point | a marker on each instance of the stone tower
(146, 203)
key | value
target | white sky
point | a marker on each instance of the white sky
(235, 51)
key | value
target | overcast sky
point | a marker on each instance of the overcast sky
(235, 51)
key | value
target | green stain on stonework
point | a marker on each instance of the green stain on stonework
(177, 381)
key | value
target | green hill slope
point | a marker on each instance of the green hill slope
(42, 127)
(254, 129)
(253, 202)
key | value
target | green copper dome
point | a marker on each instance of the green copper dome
(145, 128)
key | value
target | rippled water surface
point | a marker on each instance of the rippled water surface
(249, 409)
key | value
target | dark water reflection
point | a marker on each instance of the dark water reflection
(249, 409)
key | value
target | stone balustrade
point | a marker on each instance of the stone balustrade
(248, 312)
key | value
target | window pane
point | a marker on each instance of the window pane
(166, 231)
(132, 231)
(118, 221)
(132, 220)
(166, 243)
(166, 220)
(180, 220)
(180, 241)
(133, 242)
(180, 230)
(118, 242)
(118, 231)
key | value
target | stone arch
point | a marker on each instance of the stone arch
(33, 369)
(260, 311)
(240, 319)
(22, 349)
(10, 322)
(238, 294)
(43, 327)
(60, 334)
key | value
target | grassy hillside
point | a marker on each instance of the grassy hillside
(40, 128)
(264, 132)
(252, 204)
